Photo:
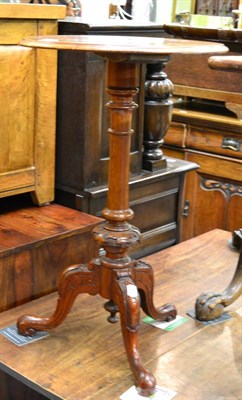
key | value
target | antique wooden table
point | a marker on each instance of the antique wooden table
(126, 283)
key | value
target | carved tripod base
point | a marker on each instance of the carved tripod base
(210, 306)
(131, 288)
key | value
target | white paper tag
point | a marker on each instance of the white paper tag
(160, 394)
(239, 311)
(132, 291)
(167, 326)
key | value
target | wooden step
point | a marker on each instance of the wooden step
(36, 244)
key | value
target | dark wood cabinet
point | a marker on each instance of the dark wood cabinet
(82, 153)
(207, 129)
(213, 193)
(82, 124)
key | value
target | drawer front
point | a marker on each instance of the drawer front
(176, 135)
(223, 143)
(218, 167)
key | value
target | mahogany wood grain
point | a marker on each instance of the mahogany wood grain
(84, 358)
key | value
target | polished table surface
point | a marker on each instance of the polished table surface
(116, 45)
(84, 358)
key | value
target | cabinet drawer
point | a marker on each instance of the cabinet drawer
(176, 134)
(217, 166)
(223, 143)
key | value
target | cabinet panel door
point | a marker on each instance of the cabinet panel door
(17, 66)
(234, 212)
(213, 194)
(17, 95)
(11, 32)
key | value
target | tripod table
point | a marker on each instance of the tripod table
(127, 284)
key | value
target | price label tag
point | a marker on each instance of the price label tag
(11, 333)
(167, 326)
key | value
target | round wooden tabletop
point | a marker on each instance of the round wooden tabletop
(227, 63)
(115, 46)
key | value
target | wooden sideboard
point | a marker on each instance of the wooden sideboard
(82, 153)
(205, 129)
(27, 102)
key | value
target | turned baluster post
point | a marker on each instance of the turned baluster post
(157, 114)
